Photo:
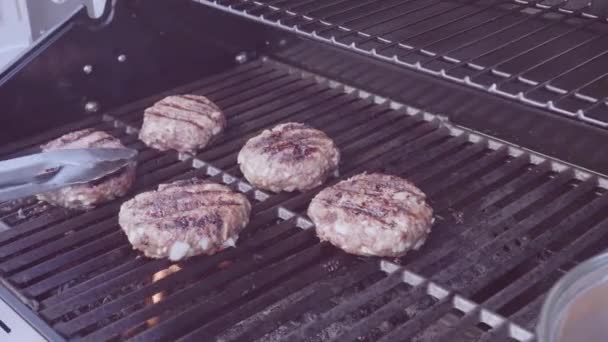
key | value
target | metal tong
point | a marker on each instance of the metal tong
(46, 171)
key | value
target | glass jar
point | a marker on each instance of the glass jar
(576, 308)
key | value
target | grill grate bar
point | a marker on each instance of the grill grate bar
(519, 55)
(307, 297)
(486, 180)
(455, 159)
(50, 249)
(263, 84)
(109, 258)
(420, 287)
(501, 218)
(7, 151)
(484, 205)
(542, 12)
(403, 44)
(443, 38)
(45, 235)
(492, 34)
(569, 70)
(250, 282)
(383, 314)
(411, 327)
(182, 296)
(69, 300)
(527, 251)
(364, 13)
(378, 31)
(228, 158)
(301, 111)
(529, 314)
(351, 304)
(470, 170)
(101, 243)
(247, 68)
(502, 297)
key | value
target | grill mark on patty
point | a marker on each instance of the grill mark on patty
(153, 213)
(278, 139)
(167, 205)
(149, 111)
(198, 99)
(173, 191)
(166, 208)
(386, 202)
(381, 190)
(297, 135)
(301, 150)
(166, 222)
(176, 193)
(308, 140)
(194, 182)
(395, 185)
(358, 210)
(204, 112)
(201, 223)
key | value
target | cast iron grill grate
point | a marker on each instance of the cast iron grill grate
(508, 224)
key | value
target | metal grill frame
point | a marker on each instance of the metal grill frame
(296, 23)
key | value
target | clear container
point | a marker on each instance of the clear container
(576, 308)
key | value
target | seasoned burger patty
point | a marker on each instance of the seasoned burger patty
(87, 196)
(287, 157)
(372, 214)
(184, 218)
(184, 123)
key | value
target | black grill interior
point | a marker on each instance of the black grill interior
(506, 229)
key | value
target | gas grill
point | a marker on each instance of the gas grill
(495, 109)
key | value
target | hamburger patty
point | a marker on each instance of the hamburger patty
(287, 157)
(184, 218)
(184, 123)
(372, 214)
(87, 196)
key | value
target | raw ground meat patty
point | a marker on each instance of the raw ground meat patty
(185, 123)
(87, 196)
(184, 218)
(372, 214)
(287, 157)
